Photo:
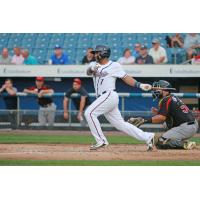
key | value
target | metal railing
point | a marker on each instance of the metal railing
(20, 115)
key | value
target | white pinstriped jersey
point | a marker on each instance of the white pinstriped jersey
(105, 77)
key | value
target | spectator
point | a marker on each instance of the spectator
(136, 51)
(192, 44)
(144, 58)
(10, 101)
(28, 59)
(17, 59)
(81, 102)
(59, 58)
(175, 41)
(47, 109)
(196, 60)
(127, 59)
(89, 57)
(158, 53)
(5, 59)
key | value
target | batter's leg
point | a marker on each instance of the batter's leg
(100, 106)
(115, 118)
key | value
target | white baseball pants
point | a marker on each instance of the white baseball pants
(107, 104)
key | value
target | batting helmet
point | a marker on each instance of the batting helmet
(104, 51)
(161, 84)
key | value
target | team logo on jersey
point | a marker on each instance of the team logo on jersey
(101, 73)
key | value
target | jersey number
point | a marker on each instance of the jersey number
(184, 108)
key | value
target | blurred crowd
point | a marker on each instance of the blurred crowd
(140, 54)
(43, 94)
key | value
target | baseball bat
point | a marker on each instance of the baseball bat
(160, 88)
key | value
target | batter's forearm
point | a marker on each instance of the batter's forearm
(131, 81)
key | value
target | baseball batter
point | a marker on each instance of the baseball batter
(105, 73)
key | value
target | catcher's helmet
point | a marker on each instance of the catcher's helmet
(104, 51)
(161, 84)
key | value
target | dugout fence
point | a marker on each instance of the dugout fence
(28, 119)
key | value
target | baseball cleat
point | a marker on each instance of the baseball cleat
(150, 144)
(98, 146)
(189, 145)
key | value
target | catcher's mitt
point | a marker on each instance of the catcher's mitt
(138, 121)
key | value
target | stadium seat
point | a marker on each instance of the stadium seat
(5, 35)
(112, 43)
(14, 42)
(98, 41)
(40, 55)
(116, 53)
(76, 44)
(128, 44)
(80, 53)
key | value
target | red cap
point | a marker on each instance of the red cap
(39, 78)
(77, 80)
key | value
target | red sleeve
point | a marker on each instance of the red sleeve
(45, 87)
(31, 88)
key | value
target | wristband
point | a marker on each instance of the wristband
(148, 120)
(137, 84)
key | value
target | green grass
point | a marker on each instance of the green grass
(82, 139)
(96, 163)
(62, 139)
(66, 139)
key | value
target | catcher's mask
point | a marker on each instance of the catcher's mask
(101, 52)
(158, 93)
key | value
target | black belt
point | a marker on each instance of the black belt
(105, 92)
(190, 123)
(47, 105)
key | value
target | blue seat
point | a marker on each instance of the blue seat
(5, 35)
(14, 42)
(30, 35)
(16, 35)
(114, 36)
(129, 35)
(42, 44)
(98, 41)
(44, 35)
(128, 44)
(28, 45)
(113, 44)
(84, 40)
(85, 35)
(69, 43)
(56, 41)
(40, 55)
(83, 44)
(116, 53)
(72, 35)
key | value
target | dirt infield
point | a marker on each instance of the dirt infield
(82, 152)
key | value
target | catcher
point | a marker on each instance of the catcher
(179, 119)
